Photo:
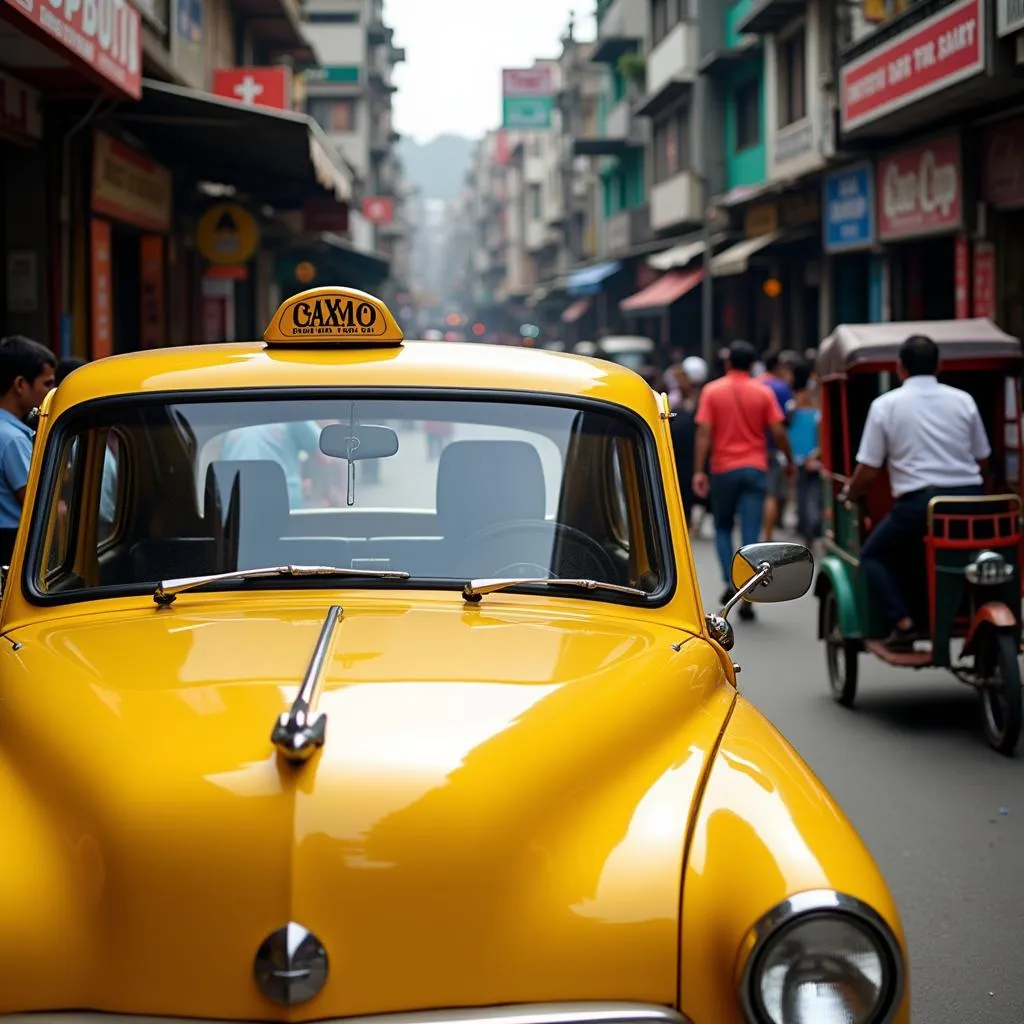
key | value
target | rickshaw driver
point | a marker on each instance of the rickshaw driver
(934, 440)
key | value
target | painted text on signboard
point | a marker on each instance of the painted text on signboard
(919, 189)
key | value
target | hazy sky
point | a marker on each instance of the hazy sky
(456, 49)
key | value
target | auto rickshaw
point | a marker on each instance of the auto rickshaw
(965, 581)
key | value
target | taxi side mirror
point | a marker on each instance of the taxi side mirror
(772, 572)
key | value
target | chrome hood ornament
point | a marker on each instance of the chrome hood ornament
(300, 732)
(291, 965)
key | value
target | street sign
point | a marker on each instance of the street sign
(227, 233)
(338, 74)
(528, 112)
(255, 86)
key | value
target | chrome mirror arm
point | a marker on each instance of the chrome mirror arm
(719, 627)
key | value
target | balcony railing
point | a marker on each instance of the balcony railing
(627, 229)
(676, 201)
(622, 132)
(672, 68)
(622, 27)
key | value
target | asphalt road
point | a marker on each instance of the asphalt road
(942, 813)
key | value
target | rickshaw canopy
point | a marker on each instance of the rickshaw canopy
(850, 345)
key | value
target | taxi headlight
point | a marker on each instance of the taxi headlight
(821, 958)
(988, 569)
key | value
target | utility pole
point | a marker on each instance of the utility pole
(703, 115)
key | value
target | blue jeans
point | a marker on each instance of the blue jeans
(742, 491)
(897, 538)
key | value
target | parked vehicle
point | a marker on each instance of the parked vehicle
(966, 580)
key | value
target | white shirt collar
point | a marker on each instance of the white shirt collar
(922, 380)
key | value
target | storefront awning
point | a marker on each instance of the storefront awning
(281, 156)
(329, 259)
(588, 281)
(678, 256)
(657, 297)
(572, 313)
(735, 259)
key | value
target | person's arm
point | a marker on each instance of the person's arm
(14, 465)
(775, 423)
(871, 456)
(980, 447)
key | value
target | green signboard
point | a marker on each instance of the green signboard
(528, 112)
(335, 75)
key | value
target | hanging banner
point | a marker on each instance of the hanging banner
(961, 277)
(151, 286)
(101, 342)
(985, 280)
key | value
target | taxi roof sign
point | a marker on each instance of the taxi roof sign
(333, 316)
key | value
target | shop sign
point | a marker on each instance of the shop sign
(1003, 175)
(335, 74)
(227, 234)
(985, 280)
(961, 275)
(920, 189)
(379, 209)
(129, 186)
(20, 110)
(255, 87)
(800, 208)
(1009, 16)
(102, 339)
(103, 35)
(849, 209)
(760, 219)
(933, 55)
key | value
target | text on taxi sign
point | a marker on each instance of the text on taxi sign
(326, 315)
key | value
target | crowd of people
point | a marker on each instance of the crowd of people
(746, 446)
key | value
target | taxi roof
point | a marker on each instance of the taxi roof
(415, 364)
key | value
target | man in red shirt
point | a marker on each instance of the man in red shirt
(735, 416)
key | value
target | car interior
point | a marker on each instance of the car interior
(490, 518)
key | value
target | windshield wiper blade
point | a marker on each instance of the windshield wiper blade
(474, 590)
(168, 590)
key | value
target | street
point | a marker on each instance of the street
(941, 812)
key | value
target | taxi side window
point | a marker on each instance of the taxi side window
(72, 502)
(618, 506)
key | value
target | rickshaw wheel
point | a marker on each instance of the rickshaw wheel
(840, 654)
(1001, 696)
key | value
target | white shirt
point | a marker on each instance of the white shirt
(930, 434)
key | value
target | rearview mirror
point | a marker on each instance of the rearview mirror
(786, 571)
(341, 441)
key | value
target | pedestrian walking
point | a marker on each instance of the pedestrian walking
(27, 373)
(804, 421)
(778, 376)
(733, 417)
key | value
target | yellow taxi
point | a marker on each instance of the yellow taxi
(343, 676)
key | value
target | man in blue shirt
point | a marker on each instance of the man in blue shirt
(778, 376)
(26, 375)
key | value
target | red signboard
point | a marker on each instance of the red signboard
(961, 284)
(379, 209)
(255, 87)
(936, 53)
(101, 342)
(985, 280)
(539, 81)
(1003, 181)
(103, 36)
(920, 189)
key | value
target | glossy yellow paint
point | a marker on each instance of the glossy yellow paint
(501, 810)
(766, 830)
(498, 815)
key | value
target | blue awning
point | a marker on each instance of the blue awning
(588, 280)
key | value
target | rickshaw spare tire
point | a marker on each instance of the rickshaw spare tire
(1001, 694)
(841, 655)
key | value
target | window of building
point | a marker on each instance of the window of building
(671, 152)
(535, 202)
(748, 114)
(337, 115)
(665, 15)
(791, 73)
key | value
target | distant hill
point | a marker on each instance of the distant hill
(437, 167)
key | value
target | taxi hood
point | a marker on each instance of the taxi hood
(498, 814)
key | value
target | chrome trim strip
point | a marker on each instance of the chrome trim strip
(300, 731)
(526, 1013)
(807, 904)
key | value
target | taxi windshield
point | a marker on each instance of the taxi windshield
(446, 490)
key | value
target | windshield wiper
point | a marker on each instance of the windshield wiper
(168, 590)
(474, 590)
